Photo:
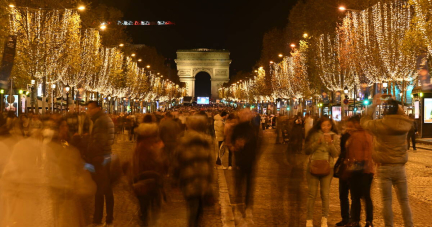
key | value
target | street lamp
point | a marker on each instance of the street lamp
(53, 86)
(103, 26)
(139, 60)
(280, 55)
(148, 66)
(305, 35)
(133, 54)
(293, 45)
(385, 85)
(343, 8)
(67, 88)
(271, 62)
(11, 5)
(121, 45)
(81, 8)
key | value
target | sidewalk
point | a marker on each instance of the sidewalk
(424, 140)
(281, 189)
(173, 212)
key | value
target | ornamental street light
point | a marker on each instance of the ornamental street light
(305, 35)
(293, 45)
(81, 8)
(53, 86)
(148, 66)
(103, 26)
(133, 54)
(67, 88)
(280, 55)
(139, 60)
(121, 45)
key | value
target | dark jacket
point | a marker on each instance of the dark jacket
(102, 135)
(246, 157)
(193, 164)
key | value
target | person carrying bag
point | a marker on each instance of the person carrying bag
(322, 144)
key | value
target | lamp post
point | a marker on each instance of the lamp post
(32, 82)
(67, 97)
(109, 104)
(53, 86)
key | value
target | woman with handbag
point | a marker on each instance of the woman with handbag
(360, 168)
(322, 144)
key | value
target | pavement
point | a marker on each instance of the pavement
(280, 192)
(173, 212)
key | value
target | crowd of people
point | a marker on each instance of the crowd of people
(52, 164)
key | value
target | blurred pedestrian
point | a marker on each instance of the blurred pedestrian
(323, 145)
(339, 168)
(412, 133)
(361, 169)
(390, 152)
(245, 141)
(230, 123)
(295, 144)
(308, 123)
(99, 155)
(193, 167)
(219, 125)
(148, 169)
(169, 132)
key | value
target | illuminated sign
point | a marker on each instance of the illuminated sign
(129, 22)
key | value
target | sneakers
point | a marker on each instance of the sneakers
(309, 223)
(324, 222)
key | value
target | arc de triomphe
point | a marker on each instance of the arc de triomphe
(214, 62)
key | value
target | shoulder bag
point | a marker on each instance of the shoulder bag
(319, 168)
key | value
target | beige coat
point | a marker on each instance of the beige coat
(390, 142)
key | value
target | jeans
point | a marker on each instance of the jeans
(360, 187)
(344, 200)
(104, 191)
(394, 176)
(195, 206)
(324, 184)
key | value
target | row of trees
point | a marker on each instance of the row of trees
(64, 47)
(378, 42)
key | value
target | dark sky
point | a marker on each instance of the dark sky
(235, 25)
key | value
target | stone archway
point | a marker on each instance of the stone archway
(214, 62)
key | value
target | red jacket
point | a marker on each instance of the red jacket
(359, 148)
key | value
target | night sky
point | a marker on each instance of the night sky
(235, 25)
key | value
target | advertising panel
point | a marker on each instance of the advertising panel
(203, 100)
(428, 110)
(417, 109)
(337, 113)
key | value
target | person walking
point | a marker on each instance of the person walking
(246, 142)
(296, 135)
(99, 155)
(148, 168)
(343, 182)
(230, 123)
(361, 171)
(308, 123)
(412, 133)
(322, 146)
(219, 125)
(193, 167)
(390, 152)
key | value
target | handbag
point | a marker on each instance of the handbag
(319, 168)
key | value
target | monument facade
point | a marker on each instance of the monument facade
(214, 62)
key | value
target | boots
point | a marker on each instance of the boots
(324, 222)
(309, 223)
